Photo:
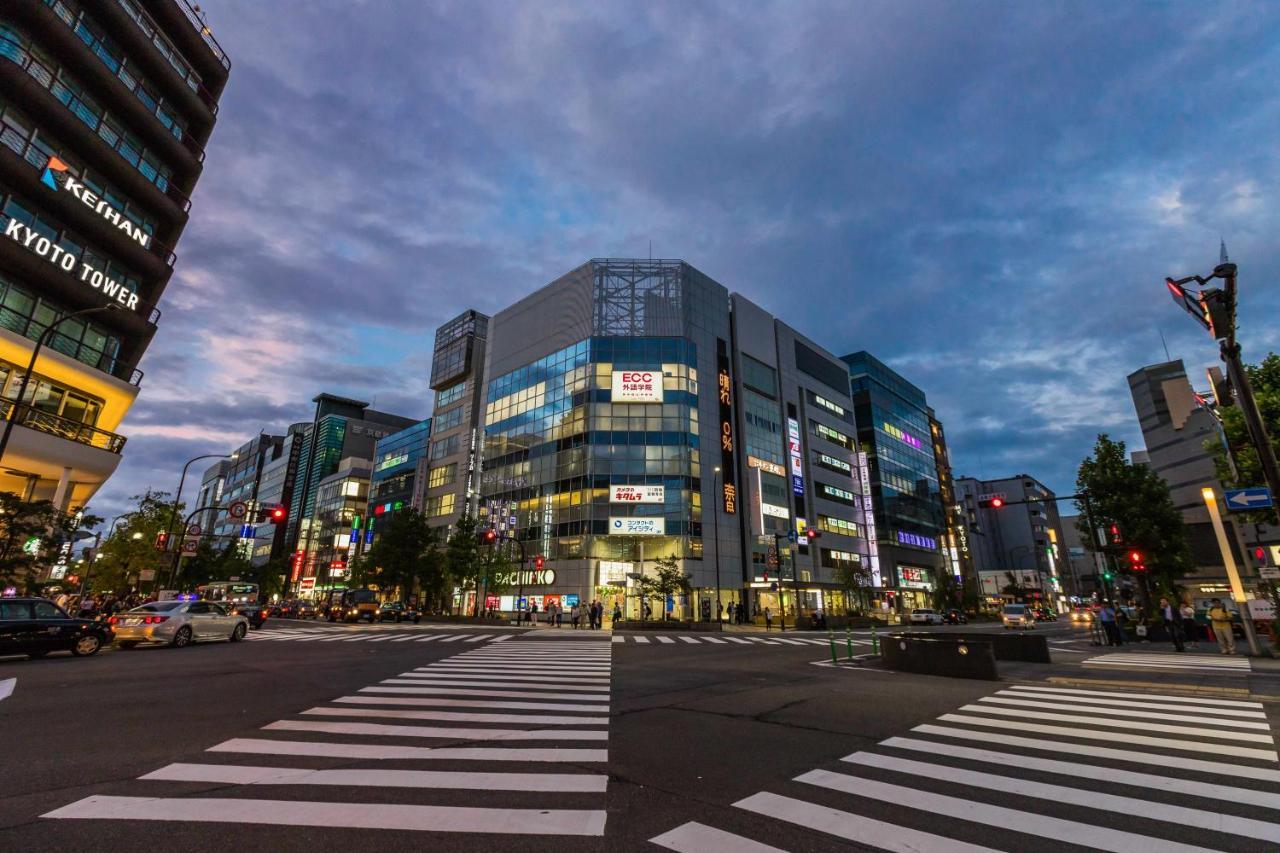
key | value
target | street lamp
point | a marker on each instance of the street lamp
(715, 526)
(31, 366)
(177, 498)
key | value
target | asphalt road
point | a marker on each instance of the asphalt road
(540, 740)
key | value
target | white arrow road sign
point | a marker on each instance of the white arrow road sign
(1258, 497)
(6, 687)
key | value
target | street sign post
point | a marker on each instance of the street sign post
(1239, 500)
(238, 509)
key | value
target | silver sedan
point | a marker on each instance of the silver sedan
(178, 623)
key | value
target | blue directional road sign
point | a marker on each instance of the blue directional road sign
(1258, 497)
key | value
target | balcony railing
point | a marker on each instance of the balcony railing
(47, 78)
(175, 58)
(32, 418)
(205, 33)
(23, 325)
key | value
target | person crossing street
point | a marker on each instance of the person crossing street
(1172, 618)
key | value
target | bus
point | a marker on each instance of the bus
(231, 592)
(352, 605)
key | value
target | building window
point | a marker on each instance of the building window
(443, 475)
(834, 408)
(834, 436)
(833, 559)
(835, 494)
(440, 505)
(451, 395)
(445, 447)
(759, 376)
(829, 524)
(447, 421)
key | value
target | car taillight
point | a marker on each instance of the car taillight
(113, 621)
(154, 620)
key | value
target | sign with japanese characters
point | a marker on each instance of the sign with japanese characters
(637, 386)
(637, 494)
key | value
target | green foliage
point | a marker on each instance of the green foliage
(1241, 467)
(1014, 587)
(855, 580)
(214, 561)
(462, 555)
(668, 579)
(22, 521)
(1137, 499)
(131, 545)
(946, 592)
(405, 557)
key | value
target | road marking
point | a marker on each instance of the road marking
(453, 638)
(560, 678)
(471, 703)
(1083, 834)
(6, 687)
(689, 639)
(789, 641)
(497, 694)
(1151, 810)
(1206, 707)
(1121, 712)
(460, 717)
(695, 837)
(479, 638)
(619, 639)
(444, 732)
(504, 821)
(1187, 667)
(1117, 724)
(852, 827)
(712, 640)
(1091, 734)
(1073, 769)
(503, 638)
(430, 637)
(487, 666)
(1149, 697)
(738, 640)
(644, 640)
(494, 682)
(664, 640)
(370, 751)
(379, 639)
(406, 638)
(589, 783)
(1162, 759)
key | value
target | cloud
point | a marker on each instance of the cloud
(986, 195)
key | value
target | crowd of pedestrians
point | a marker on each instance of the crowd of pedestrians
(1178, 621)
(98, 606)
(590, 616)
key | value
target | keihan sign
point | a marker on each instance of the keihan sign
(41, 245)
(637, 386)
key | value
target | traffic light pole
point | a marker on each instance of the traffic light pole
(782, 607)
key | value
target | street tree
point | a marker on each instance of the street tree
(855, 580)
(1237, 462)
(32, 533)
(130, 548)
(667, 580)
(405, 557)
(1136, 500)
(462, 556)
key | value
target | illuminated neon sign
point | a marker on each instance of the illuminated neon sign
(904, 436)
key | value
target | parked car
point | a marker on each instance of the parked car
(36, 626)
(955, 617)
(1018, 616)
(398, 611)
(178, 623)
(925, 616)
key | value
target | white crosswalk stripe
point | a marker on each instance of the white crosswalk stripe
(367, 635)
(1197, 663)
(697, 639)
(544, 741)
(968, 783)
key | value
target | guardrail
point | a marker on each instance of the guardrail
(32, 418)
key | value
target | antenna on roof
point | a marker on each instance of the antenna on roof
(1222, 251)
(1167, 357)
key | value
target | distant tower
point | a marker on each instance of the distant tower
(1222, 251)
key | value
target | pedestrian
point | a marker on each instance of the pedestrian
(1172, 618)
(1189, 625)
(719, 611)
(1107, 616)
(617, 612)
(768, 619)
(575, 616)
(597, 615)
(1220, 619)
(533, 613)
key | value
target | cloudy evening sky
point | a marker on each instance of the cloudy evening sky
(985, 195)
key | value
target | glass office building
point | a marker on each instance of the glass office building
(399, 466)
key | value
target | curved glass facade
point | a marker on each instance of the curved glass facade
(556, 442)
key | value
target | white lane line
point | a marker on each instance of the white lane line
(1083, 834)
(1122, 737)
(368, 751)
(789, 641)
(451, 663)
(493, 682)
(6, 687)
(1205, 708)
(496, 694)
(619, 639)
(738, 640)
(380, 639)
(430, 637)
(1148, 809)
(586, 783)
(1188, 668)
(336, 638)
(1121, 712)
(664, 639)
(358, 638)
(763, 640)
(696, 837)
(504, 821)
(1109, 774)
(514, 678)
(503, 638)
(453, 638)
(1142, 697)
(1158, 759)
(1116, 724)
(471, 703)
(644, 640)
(459, 717)
(479, 638)
(505, 655)
(444, 732)
(815, 642)
(1215, 660)
(693, 640)
(713, 640)
(852, 827)
(406, 638)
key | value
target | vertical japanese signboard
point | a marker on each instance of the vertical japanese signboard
(728, 470)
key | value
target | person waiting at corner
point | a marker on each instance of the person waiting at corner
(1220, 619)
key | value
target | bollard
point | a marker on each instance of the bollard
(848, 642)
(875, 641)
(831, 638)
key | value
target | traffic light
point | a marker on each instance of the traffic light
(1219, 313)
(812, 533)
(991, 503)
(488, 536)
(1260, 556)
(539, 561)
(1116, 537)
(278, 514)
(162, 541)
(1223, 394)
(1137, 562)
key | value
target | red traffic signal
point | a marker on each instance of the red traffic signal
(812, 534)
(278, 514)
(1260, 555)
(488, 536)
(162, 541)
(539, 561)
(1115, 534)
(1135, 557)
(991, 503)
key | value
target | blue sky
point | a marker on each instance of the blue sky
(985, 195)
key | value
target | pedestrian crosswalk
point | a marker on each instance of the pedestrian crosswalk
(349, 635)
(725, 640)
(522, 728)
(1036, 767)
(1229, 664)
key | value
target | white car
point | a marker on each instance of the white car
(1018, 616)
(178, 623)
(925, 616)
